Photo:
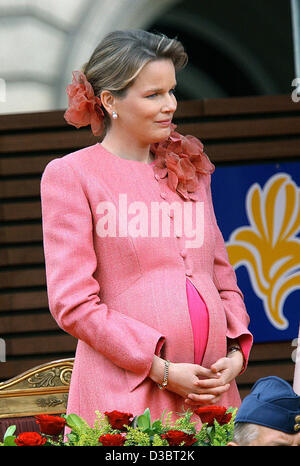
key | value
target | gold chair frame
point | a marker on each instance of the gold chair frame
(40, 390)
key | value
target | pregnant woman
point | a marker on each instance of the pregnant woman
(159, 318)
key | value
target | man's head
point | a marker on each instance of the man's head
(268, 416)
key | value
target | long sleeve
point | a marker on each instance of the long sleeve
(73, 292)
(232, 297)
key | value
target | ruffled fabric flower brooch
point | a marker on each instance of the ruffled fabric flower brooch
(183, 161)
(84, 107)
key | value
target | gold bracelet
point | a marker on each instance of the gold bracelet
(164, 384)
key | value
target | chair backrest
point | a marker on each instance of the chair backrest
(40, 390)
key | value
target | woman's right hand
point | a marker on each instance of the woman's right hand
(184, 378)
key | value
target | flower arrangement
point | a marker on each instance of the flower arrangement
(123, 429)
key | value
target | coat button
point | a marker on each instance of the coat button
(156, 176)
(188, 273)
(178, 235)
(163, 195)
(296, 427)
(171, 214)
(183, 253)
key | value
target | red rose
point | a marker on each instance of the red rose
(30, 439)
(207, 414)
(112, 440)
(118, 419)
(50, 425)
(176, 437)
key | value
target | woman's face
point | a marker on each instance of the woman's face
(146, 112)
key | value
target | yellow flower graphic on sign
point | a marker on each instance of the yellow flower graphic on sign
(269, 247)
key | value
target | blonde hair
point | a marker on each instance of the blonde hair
(121, 55)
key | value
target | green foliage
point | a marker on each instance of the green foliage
(184, 423)
(79, 430)
(217, 435)
(168, 421)
(82, 435)
(137, 437)
(9, 438)
(142, 431)
(159, 442)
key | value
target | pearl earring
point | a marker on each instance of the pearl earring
(114, 115)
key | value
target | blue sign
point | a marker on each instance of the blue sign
(258, 211)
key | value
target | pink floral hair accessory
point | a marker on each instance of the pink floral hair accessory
(183, 160)
(84, 107)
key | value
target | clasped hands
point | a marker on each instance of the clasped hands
(204, 386)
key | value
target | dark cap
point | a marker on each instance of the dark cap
(271, 403)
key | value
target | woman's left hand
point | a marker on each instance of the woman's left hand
(229, 368)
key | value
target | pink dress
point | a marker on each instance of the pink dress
(199, 319)
(111, 296)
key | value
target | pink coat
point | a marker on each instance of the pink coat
(124, 297)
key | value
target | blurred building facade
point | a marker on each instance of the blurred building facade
(235, 48)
